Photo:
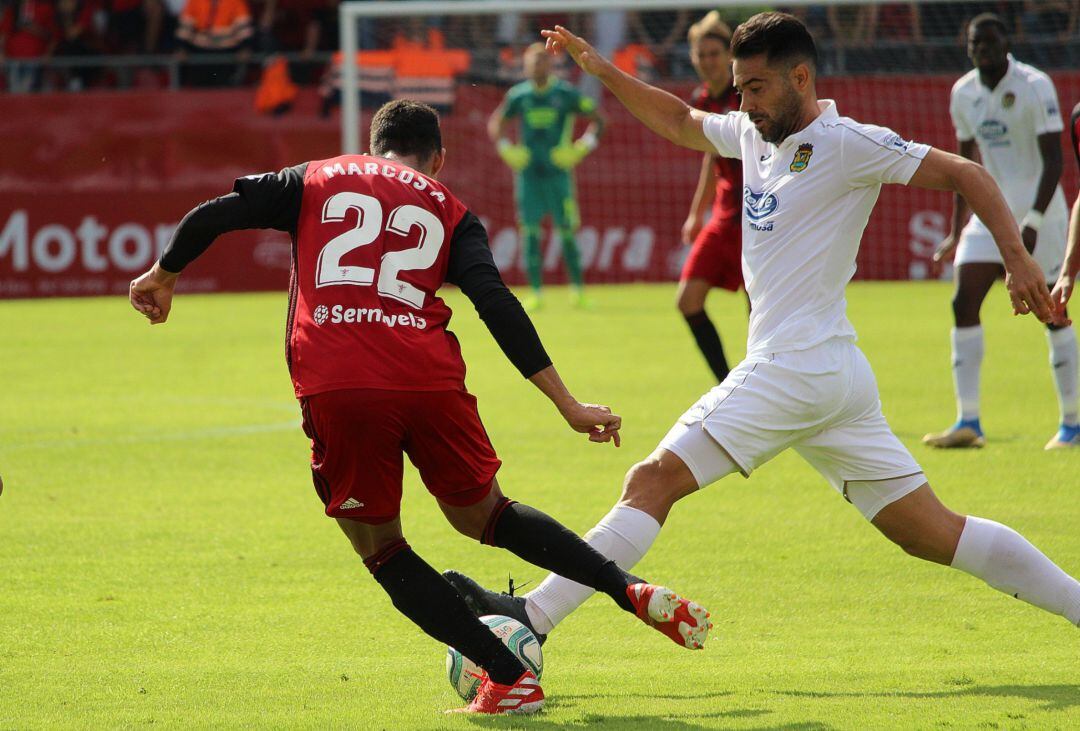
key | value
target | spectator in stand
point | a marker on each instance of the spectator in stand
(852, 30)
(941, 20)
(659, 31)
(27, 31)
(134, 26)
(79, 26)
(814, 17)
(898, 22)
(1046, 25)
(303, 26)
(1050, 18)
(215, 27)
(896, 34)
(852, 25)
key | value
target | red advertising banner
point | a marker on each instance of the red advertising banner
(92, 185)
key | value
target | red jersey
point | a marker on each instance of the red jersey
(371, 250)
(1075, 120)
(728, 201)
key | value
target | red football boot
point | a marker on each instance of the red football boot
(685, 622)
(524, 696)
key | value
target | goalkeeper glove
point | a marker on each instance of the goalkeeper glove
(516, 157)
(567, 157)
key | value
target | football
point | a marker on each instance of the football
(465, 675)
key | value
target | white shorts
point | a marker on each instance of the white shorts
(977, 244)
(822, 402)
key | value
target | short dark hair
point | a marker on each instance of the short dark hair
(780, 36)
(406, 127)
(988, 19)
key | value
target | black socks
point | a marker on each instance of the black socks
(542, 541)
(424, 596)
(708, 341)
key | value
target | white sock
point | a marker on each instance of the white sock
(1063, 359)
(1005, 560)
(967, 355)
(624, 535)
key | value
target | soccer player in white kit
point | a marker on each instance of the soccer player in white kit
(1009, 110)
(811, 178)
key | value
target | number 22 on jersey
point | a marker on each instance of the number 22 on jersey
(369, 226)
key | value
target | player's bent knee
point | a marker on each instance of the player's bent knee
(471, 520)
(921, 526)
(653, 485)
(965, 312)
(368, 539)
(690, 298)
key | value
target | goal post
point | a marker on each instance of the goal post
(350, 12)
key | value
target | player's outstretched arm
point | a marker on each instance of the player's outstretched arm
(257, 201)
(1023, 277)
(472, 268)
(663, 113)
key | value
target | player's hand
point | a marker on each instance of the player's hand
(595, 420)
(1029, 236)
(1027, 289)
(691, 228)
(516, 157)
(946, 248)
(152, 293)
(584, 55)
(567, 157)
(1060, 297)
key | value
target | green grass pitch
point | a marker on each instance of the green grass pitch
(164, 560)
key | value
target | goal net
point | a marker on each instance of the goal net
(888, 63)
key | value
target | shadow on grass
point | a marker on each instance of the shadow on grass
(689, 720)
(1051, 697)
(643, 722)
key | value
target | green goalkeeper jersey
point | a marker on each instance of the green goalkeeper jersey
(547, 119)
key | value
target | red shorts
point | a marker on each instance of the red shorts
(358, 437)
(716, 255)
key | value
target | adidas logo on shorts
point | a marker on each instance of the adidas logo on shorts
(351, 504)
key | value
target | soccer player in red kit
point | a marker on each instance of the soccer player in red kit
(1070, 268)
(378, 374)
(716, 257)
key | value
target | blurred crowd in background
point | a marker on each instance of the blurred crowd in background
(50, 45)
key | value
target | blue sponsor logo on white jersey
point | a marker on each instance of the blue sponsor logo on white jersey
(759, 205)
(994, 132)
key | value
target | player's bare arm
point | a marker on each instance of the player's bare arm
(151, 294)
(593, 419)
(703, 196)
(1023, 277)
(1071, 266)
(960, 211)
(1064, 287)
(597, 125)
(498, 125)
(1050, 151)
(473, 269)
(663, 113)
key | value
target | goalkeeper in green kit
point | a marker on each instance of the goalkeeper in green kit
(543, 160)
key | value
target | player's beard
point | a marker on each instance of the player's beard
(780, 125)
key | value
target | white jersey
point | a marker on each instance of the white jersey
(1005, 123)
(805, 206)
